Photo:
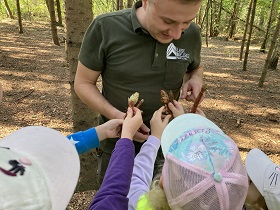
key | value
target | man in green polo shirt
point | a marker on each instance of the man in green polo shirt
(151, 47)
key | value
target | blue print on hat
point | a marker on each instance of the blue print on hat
(208, 149)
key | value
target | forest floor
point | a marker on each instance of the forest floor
(35, 79)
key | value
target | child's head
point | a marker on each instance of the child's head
(39, 169)
(203, 168)
(265, 177)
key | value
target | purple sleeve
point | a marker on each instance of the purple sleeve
(115, 186)
(143, 171)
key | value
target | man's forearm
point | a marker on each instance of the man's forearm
(195, 73)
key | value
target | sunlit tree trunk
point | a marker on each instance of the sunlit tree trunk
(245, 30)
(19, 17)
(9, 10)
(269, 54)
(53, 22)
(249, 35)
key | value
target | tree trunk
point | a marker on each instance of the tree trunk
(58, 10)
(78, 16)
(249, 35)
(9, 10)
(120, 5)
(19, 17)
(263, 47)
(245, 30)
(269, 54)
(53, 22)
(129, 3)
(233, 20)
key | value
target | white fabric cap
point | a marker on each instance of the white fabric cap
(266, 176)
(39, 169)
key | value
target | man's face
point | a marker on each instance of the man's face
(166, 19)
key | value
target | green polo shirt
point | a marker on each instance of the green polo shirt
(130, 60)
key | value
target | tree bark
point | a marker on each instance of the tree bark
(58, 10)
(249, 35)
(263, 47)
(78, 16)
(9, 10)
(269, 54)
(53, 22)
(19, 17)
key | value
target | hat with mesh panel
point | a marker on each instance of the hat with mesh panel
(203, 168)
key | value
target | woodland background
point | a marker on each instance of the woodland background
(40, 40)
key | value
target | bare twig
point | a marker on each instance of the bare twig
(21, 98)
(198, 99)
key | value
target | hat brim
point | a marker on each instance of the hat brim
(256, 163)
(56, 156)
(183, 123)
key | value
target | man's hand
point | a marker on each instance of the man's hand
(192, 85)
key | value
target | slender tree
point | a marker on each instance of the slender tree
(249, 35)
(19, 17)
(263, 47)
(269, 54)
(233, 19)
(58, 11)
(9, 10)
(53, 22)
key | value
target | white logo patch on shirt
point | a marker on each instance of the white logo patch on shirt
(175, 53)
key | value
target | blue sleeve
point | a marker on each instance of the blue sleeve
(84, 140)
(115, 186)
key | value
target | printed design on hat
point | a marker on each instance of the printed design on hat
(273, 178)
(208, 149)
(16, 168)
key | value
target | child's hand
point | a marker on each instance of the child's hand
(131, 123)
(110, 129)
(177, 109)
(158, 123)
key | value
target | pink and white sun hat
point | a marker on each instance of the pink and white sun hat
(265, 175)
(203, 168)
(39, 169)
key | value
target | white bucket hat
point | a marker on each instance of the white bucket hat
(265, 175)
(39, 169)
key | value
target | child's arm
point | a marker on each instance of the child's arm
(144, 161)
(89, 139)
(115, 186)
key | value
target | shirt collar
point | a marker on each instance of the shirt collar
(137, 27)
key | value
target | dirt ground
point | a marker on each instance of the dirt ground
(34, 76)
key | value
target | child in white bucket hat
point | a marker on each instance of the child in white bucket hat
(202, 169)
(264, 190)
(39, 169)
